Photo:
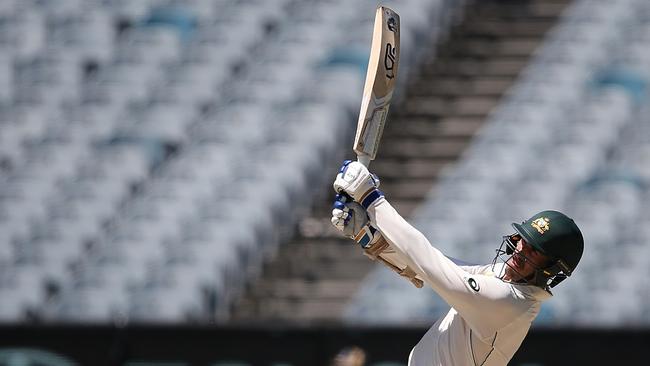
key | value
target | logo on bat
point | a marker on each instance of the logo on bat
(389, 60)
(391, 23)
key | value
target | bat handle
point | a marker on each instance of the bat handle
(344, 197)
(364, 159)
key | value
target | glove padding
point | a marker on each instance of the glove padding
(352, 220)
(355, 180)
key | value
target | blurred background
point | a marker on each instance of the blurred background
(166, 169)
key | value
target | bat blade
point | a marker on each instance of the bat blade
(379, 84)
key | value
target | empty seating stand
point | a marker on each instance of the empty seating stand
(152, 152)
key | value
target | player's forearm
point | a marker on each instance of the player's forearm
(413, 247)
(397, 232)
(471, 295)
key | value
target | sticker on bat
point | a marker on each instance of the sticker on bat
(391, 23)
(389, 60)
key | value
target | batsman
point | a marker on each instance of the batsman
(492, 305)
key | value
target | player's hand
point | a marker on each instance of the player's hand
(356, 181)
(352, 221)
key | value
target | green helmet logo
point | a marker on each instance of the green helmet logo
(541, 225)
(556, 235)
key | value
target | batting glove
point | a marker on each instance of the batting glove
(352, 220)
(356, 181)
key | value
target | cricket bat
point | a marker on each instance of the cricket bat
(379, 84)
(377, 93)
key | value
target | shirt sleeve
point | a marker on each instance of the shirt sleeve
(485, 302)
(470, 267)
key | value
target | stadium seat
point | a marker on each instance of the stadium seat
(24, 33)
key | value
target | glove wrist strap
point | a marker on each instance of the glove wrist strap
(370, 197)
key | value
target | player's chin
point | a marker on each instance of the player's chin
(512, 271)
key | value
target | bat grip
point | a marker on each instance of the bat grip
(345, 197)
(364, 159)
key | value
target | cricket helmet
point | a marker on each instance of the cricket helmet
(553, 234)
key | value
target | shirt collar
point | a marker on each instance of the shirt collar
(530, 291)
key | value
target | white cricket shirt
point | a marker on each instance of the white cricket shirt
(488, 318)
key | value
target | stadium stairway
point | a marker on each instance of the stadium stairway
(311, 279)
